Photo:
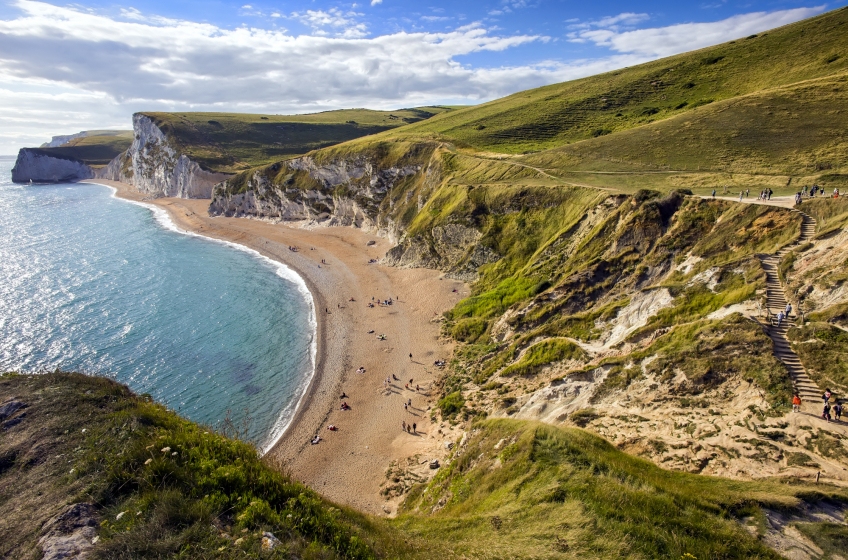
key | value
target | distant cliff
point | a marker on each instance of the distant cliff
(39, 166)
(154, 165)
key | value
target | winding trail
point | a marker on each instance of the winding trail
(776, 302)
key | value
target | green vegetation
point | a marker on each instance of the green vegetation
(185, 490)
(544, 353)
(601, 106)
(523, 489)
(232, 142)
(831, 214)
(823, 349)
(95, 151)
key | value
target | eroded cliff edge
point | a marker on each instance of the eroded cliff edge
(155, 165)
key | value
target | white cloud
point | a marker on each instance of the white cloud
(666, 41)
(375, 2)
(63, 69)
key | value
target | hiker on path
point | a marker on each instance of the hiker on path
(780, 317)
(740, 195)
(826, 396)
(788, 309)
(826, 412)
(713, 193)
(770, 192)
(796, 403)
(837, 411)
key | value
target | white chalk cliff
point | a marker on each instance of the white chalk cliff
(37, 166)
(154, 165)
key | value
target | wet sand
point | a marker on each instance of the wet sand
(349, 465)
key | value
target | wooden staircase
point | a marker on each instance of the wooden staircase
(776, 302)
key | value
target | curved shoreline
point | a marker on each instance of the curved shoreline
(349, 465)
(289, 413)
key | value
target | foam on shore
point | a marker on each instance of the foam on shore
(283, 271)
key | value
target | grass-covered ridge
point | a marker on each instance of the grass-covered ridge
(185, 490)
(524, 489)
(231, 142)
(95, 150)
(607, 103)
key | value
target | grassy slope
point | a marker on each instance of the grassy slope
(231, 142)
(517, 489)
(96, 150)
(88, 439)
(523, 489)
(562, 113)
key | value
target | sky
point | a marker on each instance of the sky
(72, 66)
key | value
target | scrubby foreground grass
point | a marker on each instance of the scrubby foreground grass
(529, 490)
(185, 491)
(166, 487)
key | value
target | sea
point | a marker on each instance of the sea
(95, 284)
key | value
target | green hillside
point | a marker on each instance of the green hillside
(95, 150)
(563, 113)
(230, 142)
(161, 486)
(530, 490)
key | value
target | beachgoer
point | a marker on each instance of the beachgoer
(405, 407)
(414, 428)
(796, 403)
(403, 425)
(410, 381)
(344, 395)
(417, 388)
(395, 377)
(409, 402)
(410, 356)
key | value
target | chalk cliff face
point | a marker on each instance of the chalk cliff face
(345, 192)
(154, 165)
(39, 167)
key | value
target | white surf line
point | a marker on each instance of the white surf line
(283, 271)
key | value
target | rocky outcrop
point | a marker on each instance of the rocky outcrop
(453, 248)
(154, 165)
(36, 165)
(70, 534)
(57, 141)
(345, 192)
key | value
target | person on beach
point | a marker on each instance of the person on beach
(343, 395)
(410, 356)
(796, 403)
(405, 407)
(414, 428)
(403, 425)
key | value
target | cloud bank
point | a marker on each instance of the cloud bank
(65, 69)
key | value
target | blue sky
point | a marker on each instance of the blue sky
(70, 66)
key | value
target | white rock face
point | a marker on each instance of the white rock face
(57, 141)
(365, 188)
(154, 166)
(39, 167)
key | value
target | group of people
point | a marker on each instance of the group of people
(835, 409)
(783, 314)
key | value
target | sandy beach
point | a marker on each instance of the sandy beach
(349, 465)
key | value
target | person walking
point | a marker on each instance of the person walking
(826, 412)
(780, 318)
(410, 356)
(796, 403)
(713, 193)
(837, 411)
(414, 428)
(740, 195)
(788, 310)
(826, 396)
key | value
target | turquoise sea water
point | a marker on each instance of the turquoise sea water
(92, 283)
